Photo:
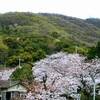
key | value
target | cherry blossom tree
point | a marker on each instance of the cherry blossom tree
(62, 73)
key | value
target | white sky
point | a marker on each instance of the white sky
(75, 8)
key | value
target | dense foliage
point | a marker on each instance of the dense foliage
(94, 51)
(22, 74)
(33, 36)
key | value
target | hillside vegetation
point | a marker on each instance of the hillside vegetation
(33, 36)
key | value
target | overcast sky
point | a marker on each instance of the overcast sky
(75, 8)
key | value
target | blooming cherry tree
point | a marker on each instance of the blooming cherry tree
(63, 73)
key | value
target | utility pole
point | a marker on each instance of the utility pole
(19, 62)
(95, 62)
(76, 49)
(94, 87)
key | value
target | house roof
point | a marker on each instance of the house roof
(4, 84)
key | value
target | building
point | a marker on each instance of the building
(12, 90)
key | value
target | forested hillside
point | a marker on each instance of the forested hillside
(33, 36)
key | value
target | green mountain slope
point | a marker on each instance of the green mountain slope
(94, 21)
(76, 29)
(81, 30)
(33, 36)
